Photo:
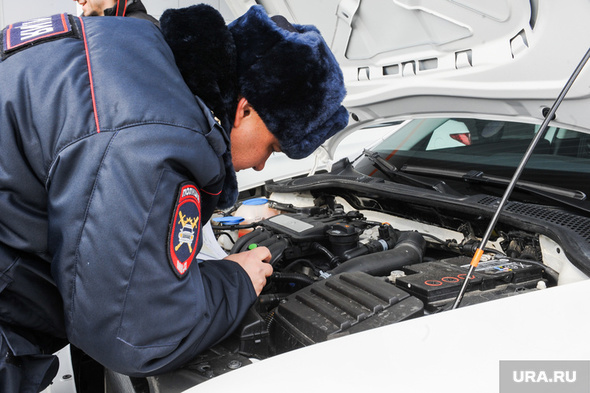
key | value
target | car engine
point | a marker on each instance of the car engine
(336, 272)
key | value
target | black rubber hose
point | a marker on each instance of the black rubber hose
(333, 259)
(408, 250)
(276, 249)
(271, 300)
(256, 236)
(292, 277)
(244, 239)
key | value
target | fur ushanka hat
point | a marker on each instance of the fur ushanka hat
(291, 78)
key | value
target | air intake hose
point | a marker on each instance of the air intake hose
(256, 236)
(408, 250)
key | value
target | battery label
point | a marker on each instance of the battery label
(497, 266)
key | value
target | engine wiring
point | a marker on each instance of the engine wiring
(463, 248)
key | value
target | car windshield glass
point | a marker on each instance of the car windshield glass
(560, 159)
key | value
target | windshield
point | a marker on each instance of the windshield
(560, 159)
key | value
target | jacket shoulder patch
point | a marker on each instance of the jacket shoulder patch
(22, 35)
(185, 229)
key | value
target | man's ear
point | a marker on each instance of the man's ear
(243, 110)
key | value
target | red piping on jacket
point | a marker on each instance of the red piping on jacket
(90, 76)
(210, 193)
(124, 9)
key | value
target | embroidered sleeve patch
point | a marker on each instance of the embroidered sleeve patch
(24, 34)
(185, 229)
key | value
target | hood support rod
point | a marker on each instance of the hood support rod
(517, 173)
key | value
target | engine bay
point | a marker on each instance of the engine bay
(339, 271)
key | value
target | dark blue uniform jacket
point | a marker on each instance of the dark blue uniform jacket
(98, 135)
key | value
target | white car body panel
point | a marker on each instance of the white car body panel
(457, 351)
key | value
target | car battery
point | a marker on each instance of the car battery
(438, 283)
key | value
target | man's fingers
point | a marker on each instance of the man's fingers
(262, 253)
(268, 270)
(254, 263)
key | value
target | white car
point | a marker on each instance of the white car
(376, 287)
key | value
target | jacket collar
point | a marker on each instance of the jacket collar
(123, 6)
(205, 54)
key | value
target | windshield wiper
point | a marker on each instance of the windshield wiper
(573, 198)
(393, 173)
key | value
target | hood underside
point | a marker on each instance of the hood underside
(404, 58)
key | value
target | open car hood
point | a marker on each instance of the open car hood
(404, 58)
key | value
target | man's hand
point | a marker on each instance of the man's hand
(254, 262)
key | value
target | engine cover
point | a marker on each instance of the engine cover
(343, 304)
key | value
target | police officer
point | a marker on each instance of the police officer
(118, 141)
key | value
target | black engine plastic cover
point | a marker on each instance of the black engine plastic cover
(301, 227)
(340, 305)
